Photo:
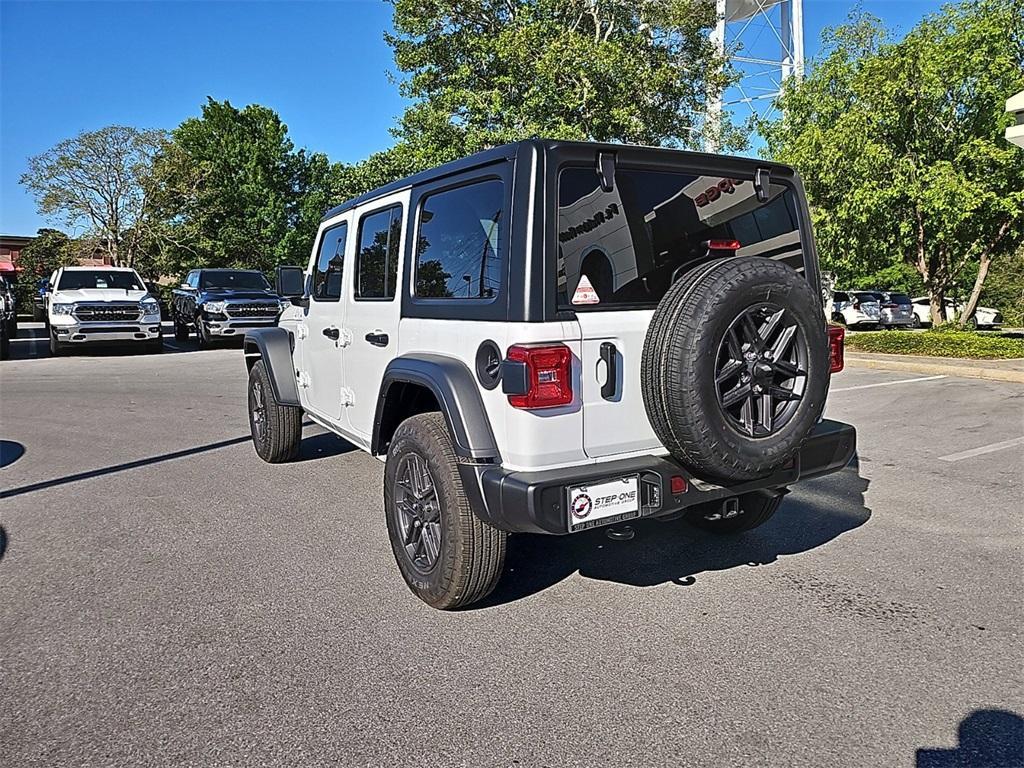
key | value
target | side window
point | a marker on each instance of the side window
(330, 263)
(380, 235)
(840, 297)
(457, 242)
(193, 279)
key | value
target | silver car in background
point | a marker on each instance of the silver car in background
(896, 310)
(856, 309)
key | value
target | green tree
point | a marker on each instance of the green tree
(98, 180)
(233, 191)
(901, 147)
(47, 251)
(486, 72)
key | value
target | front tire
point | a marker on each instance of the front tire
(276, 429)
(56, 348)
(202, 333)
(180, 330)
(447, 555)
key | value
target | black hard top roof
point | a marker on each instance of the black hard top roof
(541, 146)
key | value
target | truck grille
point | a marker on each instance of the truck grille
(254, 309)
(108, 312)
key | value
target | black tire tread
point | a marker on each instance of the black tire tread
(284, 422)
(473, 567)
(671, 379)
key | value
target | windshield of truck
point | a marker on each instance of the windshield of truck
(86, 279)
(228, 280)
(625, 247)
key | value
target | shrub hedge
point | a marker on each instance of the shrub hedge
(939, 342)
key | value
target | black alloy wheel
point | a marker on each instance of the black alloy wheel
(761, 370)
(258, 411)
(417, 512)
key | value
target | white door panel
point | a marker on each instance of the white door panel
(322, 359)
(373, 304)
(614, 421)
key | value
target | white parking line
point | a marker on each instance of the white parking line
(983, 449)
(886, 383)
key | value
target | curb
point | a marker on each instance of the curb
(958, 368)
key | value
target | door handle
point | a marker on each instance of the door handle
(332, 333)
(610, 355)
(377, 339)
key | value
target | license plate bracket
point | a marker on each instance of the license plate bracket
(602, 502)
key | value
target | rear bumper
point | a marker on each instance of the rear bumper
(536, 502)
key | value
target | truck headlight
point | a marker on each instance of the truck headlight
(285, 304)
(215, 307)
(62, 309)
(150, 307)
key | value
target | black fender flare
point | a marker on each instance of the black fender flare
(458, 395)
(274, 347)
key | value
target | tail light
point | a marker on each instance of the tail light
(890, 306)
(856, 303)
(723, 245)
(836, 338)
(545, 379)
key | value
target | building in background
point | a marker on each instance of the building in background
(10, 248)
(1015, 132)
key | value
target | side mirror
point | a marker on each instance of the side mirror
(290, 283)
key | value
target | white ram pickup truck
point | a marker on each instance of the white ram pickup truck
(101, 305)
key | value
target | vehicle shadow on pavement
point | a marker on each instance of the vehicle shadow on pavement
(817, 512)
(10, 452)
(319, 446)
(988, 738)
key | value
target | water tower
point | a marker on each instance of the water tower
(764, 42)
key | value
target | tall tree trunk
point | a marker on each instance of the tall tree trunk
(979, 281)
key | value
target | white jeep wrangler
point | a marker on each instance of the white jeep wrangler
(552, 336)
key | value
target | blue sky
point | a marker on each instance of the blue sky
(72, 66)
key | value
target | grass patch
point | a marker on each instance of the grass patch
(939, 342)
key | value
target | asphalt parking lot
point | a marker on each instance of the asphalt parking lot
(168, 599)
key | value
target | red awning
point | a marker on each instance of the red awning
(7, 266)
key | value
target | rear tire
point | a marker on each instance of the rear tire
(38, 314)
(447, 555)
(5, 347)
(758, 508)
(180, 330)
(276, 429)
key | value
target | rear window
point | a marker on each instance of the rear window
(84, 279)
(899, 298)
(630, 244)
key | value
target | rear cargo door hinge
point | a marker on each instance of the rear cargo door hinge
(302, 330)
(348, 397)
(303, 379)
(345, 337)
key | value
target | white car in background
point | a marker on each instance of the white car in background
(984, 317)
(856, 308)
(101, 305)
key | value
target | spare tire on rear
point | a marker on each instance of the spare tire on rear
(736, 368)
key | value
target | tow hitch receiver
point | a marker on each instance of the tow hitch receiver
(730, 508)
